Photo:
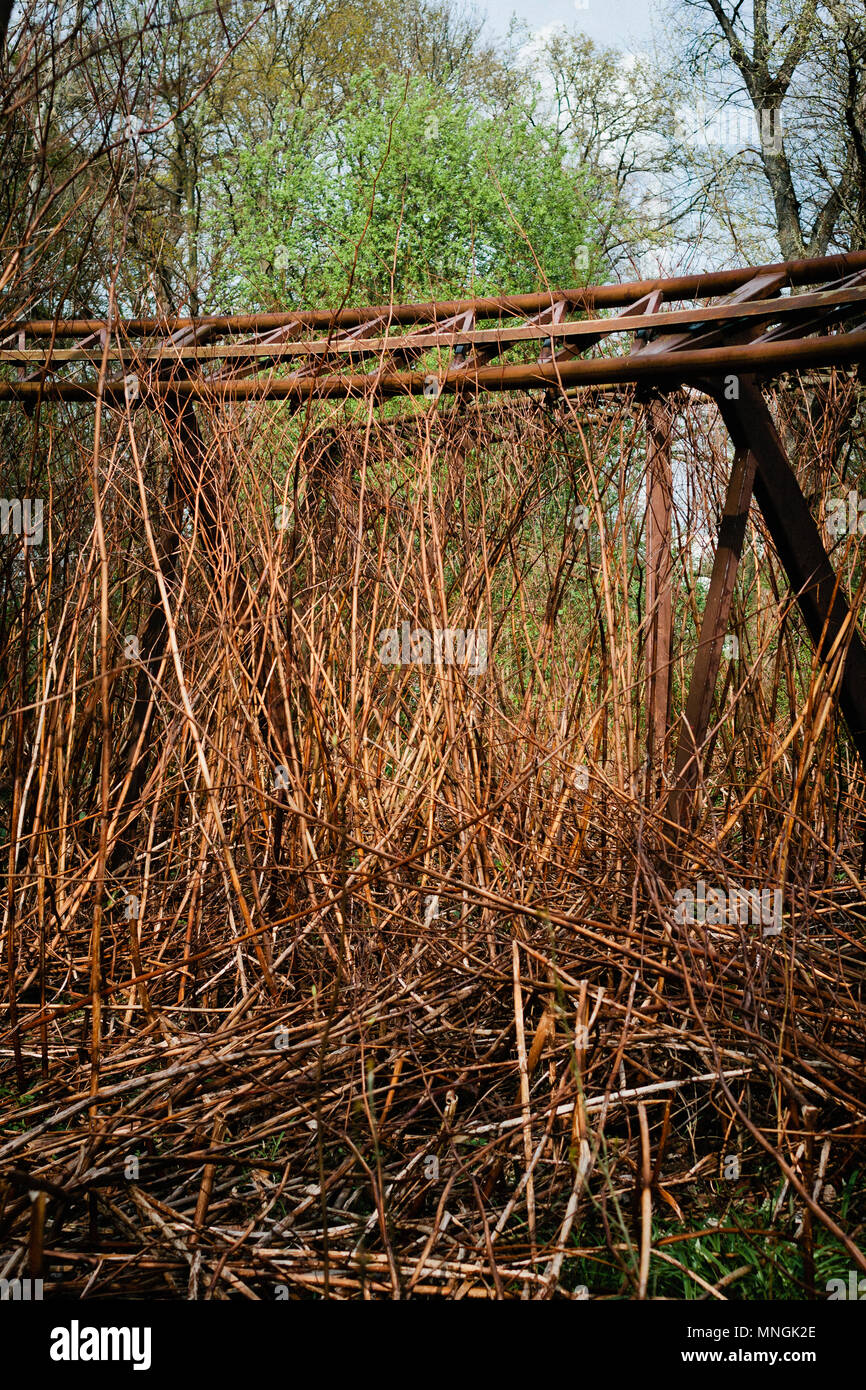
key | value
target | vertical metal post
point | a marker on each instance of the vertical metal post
(696, 719)
(658, 568)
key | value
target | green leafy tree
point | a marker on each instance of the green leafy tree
(408, 193)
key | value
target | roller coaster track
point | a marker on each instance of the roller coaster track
(760, 319)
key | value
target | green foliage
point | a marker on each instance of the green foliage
(740, 1237)
(408, 192)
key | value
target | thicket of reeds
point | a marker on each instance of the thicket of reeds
(328, 974)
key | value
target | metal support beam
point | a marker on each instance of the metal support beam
(714, 626)
(761, 465)
(797, 539)
(659, 485)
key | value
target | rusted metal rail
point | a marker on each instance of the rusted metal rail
(766, 324)
(685, 287)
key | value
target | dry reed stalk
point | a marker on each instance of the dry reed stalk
(280, 915)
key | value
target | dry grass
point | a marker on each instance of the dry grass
(332, 976)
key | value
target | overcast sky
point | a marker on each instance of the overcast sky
(626, 23)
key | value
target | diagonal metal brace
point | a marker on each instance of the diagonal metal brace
(795, 534)
(762, 464)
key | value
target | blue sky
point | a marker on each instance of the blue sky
(625, 23)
